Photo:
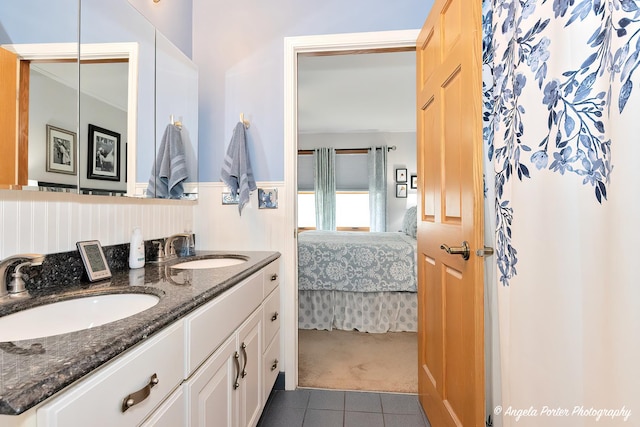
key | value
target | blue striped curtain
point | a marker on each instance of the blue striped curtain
(325, 187)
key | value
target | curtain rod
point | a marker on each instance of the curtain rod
(347, 150)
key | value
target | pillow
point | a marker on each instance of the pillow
(410, 222)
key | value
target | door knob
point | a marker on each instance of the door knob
(464, 250)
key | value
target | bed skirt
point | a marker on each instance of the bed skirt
(375, 312)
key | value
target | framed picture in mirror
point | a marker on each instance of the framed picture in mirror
(61, 150)
(104, 154)
(401, 191)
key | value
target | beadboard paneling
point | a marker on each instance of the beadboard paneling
(220, 227)
(53, 222)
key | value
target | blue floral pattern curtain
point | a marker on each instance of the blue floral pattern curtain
(378, 188)
(325, 187)
(561, 193)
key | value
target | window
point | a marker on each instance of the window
(352, 209)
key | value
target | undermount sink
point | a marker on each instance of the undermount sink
(210, 262)
(72, 315)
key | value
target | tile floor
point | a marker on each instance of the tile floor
(330, 408)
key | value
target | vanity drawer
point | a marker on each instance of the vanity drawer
(271, 315)
(209, 326)
(98, 399)
(271, 277)
(270, 366)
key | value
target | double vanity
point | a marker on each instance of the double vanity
(201, 348)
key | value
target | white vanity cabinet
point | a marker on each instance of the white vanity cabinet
(98, 400)
(228, 389)
(217, 393)
(215, 367)
(271, 327)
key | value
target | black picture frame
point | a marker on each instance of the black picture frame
(414, 181)
(401, 175)
(61, 151)
(401, 191)
(104, 154)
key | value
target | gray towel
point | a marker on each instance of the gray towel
(171, 166)
(236, 170)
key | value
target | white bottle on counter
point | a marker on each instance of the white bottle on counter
(136, 249)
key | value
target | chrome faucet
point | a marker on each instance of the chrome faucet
(18, 288)
(169, 250)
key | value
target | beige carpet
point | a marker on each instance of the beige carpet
(351, 360)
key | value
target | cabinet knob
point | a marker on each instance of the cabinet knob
(274, 366)
(274, 277)
(140, 395)
(274, 317)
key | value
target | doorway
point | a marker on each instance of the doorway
(328, 44)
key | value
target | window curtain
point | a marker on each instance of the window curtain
(378, 188)
(325, 187)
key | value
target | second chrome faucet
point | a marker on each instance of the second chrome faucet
(166, 252)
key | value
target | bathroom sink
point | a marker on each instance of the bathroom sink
(211, 262)
(72, 315)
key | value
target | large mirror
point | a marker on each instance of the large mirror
(95, 126)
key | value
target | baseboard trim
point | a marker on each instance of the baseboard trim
(279, 384)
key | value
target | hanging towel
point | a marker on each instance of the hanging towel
(236, 170)
(171, 166)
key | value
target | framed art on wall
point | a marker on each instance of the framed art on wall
(401, 191)
(267, 198)
(61, 151)
(104, 154)
(401, 175)
(414, 181)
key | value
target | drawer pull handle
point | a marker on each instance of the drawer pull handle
(275, 365)
(274, 277)
(140, 395)
(236, 356)
(274, 317)
(244, 356)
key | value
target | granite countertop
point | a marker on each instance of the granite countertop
(35, 369)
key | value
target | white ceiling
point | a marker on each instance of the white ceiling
(360, 92)
(106, 81)
(365, 92)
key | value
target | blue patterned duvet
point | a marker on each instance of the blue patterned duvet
(356, 261)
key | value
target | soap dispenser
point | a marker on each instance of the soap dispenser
(136, 249)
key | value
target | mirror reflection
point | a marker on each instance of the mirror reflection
(30, 23)
(91, 127)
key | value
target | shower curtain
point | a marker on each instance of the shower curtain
(325, 187)
(562, 194)
(378, 188)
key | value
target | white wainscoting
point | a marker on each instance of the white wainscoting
(46, 223)
(220, 227)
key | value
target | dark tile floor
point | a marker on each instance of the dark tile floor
(330, 408)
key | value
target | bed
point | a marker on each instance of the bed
(358, 280)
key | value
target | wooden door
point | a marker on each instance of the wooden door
(450, 196)
(8, 118)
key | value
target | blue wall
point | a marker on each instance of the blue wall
(239, 50)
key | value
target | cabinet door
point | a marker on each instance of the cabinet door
(170, 413)
(250, 390)
(210, 392)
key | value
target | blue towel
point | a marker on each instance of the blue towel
(236, 170)
(171, 166)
